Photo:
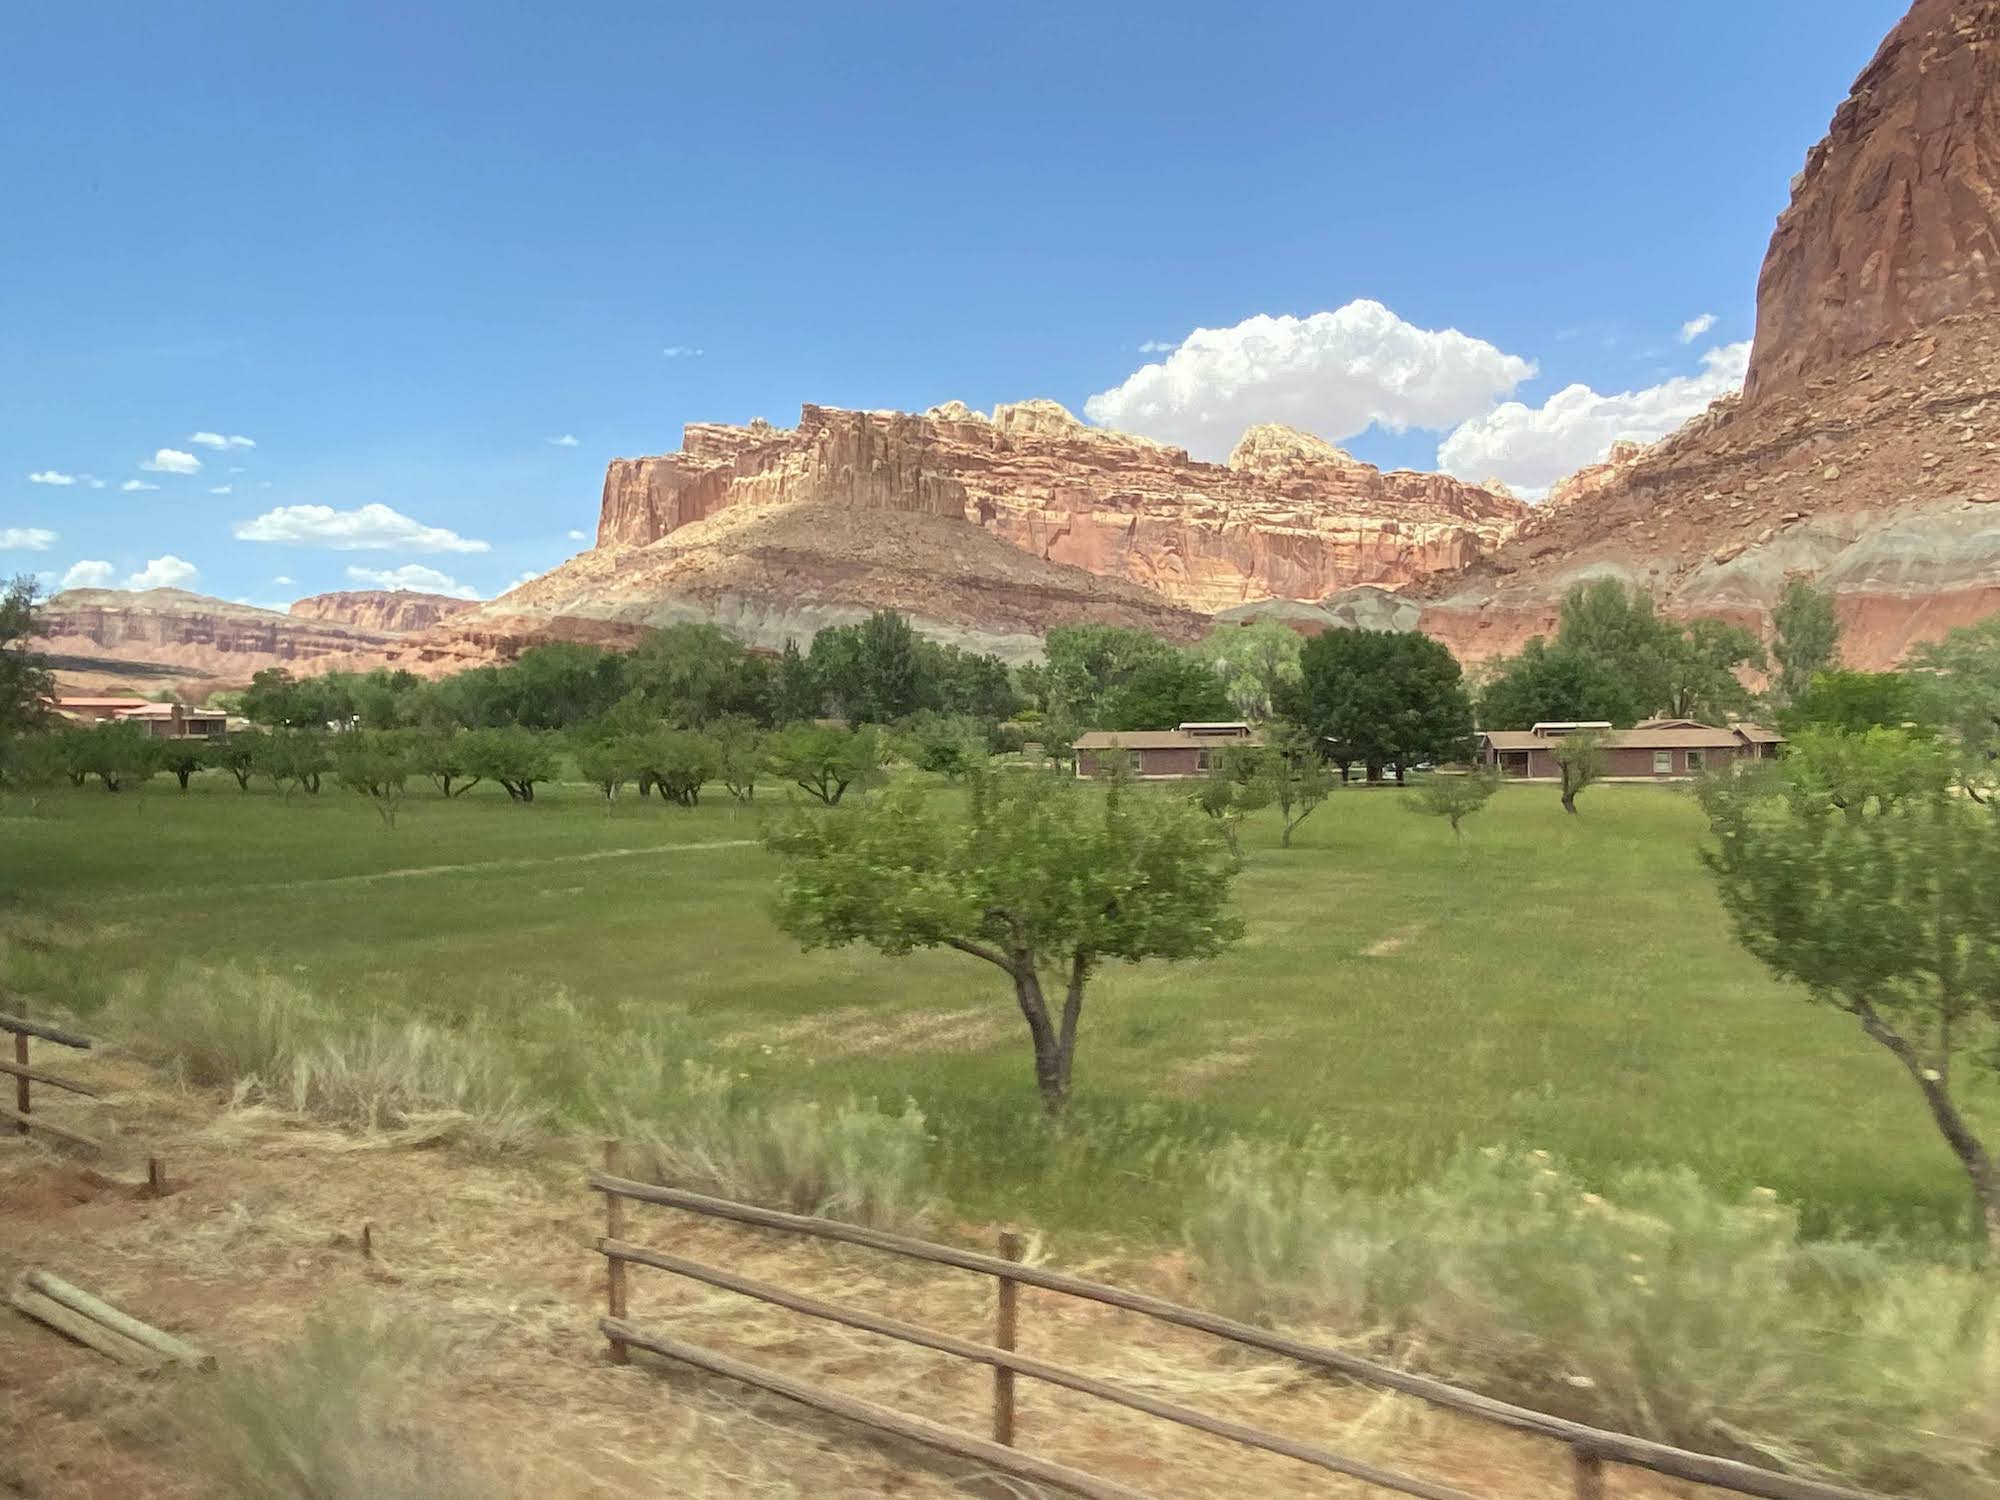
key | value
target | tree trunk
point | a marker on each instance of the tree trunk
(183, 772)
(1051, 1064)
(1958, 1134)
(1569, 800)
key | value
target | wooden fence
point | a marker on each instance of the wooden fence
(25, 1076)
(1591, 1449)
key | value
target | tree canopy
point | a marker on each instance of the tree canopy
(1043, 877)
(1382, 698)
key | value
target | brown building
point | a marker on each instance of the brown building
(1655, 750)
(1158, 754)
(163, 721)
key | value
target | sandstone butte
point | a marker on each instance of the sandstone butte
(395, 611)
(1862, 452)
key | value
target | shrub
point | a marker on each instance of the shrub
(1658, 1308)
(846, 1161)
(329, 1418)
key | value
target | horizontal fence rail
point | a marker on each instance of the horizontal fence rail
(25, 1076)
(1591, 1448)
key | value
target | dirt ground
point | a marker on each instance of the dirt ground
(262, 1227)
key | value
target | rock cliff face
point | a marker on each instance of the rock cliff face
(106, 635)
(1288, 517)
(396, 611)
(1894, 222)
(1865, 451)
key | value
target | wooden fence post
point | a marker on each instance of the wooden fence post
(1004, 1325)
(1589, 1472)
(21, 1078)
(614, 1229)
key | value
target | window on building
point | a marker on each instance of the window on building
(1663, 762)
(1694, 760)
(1134, 762)
(1201, 761)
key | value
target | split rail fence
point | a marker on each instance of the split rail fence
(26, 1076)
(1591, 1449)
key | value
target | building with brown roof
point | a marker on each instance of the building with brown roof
(1653, 750)
(163, 721)
(1159, 754)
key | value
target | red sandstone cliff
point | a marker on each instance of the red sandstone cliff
(1865, 451)
(396, 611)
(1287, 517)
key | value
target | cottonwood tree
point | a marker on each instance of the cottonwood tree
(1884, 905)
(1453, 798)
(1254, 662)
(1384, 698)
(1805, 638)
(1042, 876)
(1580, 756)
(1554, 683)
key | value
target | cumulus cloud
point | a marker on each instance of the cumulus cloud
(1695, 327)
(25, 539)
(92, 480)
(371, 528)
(1158, 346)
(567, 440)
(579, 536)
(217, 440)
(132, 485)
(167, 572)
(415, 578)
(1531, 447)
(172, 461)
(50, 476)
(682, 351)
(89, 574)
(1333, 373)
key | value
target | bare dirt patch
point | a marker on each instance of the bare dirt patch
(1393, 943)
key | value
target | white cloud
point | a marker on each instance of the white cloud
(414, 577)
(1695, 327)
(132, 485)
(682, 351)
(567, 440)
(223, 489)
(92, 480)
(371, 528)
(25, 539)
(1531, 447)
(217, 440)
(1158, 346)
(1333, 373)
(579, 536)
(281, 578)
(172, 461)
(238, 469)
(167, 572)
(50, 476)
(89, 575)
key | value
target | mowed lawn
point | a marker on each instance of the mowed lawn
(1563, 983)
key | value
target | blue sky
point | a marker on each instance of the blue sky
(401, 248)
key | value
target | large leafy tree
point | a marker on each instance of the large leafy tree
(25, 684)
(1857, 702)
(1254, 661)
(1956, 683)
(1805, 638)
(1701, 659)
(1043, 877)
(1666, 667)
(1882, 900)
(1083, 664)
(1554, 683)
(873, 672)
(1173, 690)
(1382, 698)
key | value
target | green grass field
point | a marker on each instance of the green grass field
(1564, 983)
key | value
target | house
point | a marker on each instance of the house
(163, 721)
(1654, 749)
(1159, 754)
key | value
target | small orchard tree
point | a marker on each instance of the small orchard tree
(184, 758)
(236, 753)
(1043, 877)
(519, 759)
(1885, 905)
(1581, 759)
(440, 755)
(609, 762)
(1294, 774)
(680, 763)
(119, 755)
(1232, 790)
(376, 764)
(1453, 798)
(824, 763)
(741, 751)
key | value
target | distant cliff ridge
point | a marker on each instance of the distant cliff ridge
(395, 610)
